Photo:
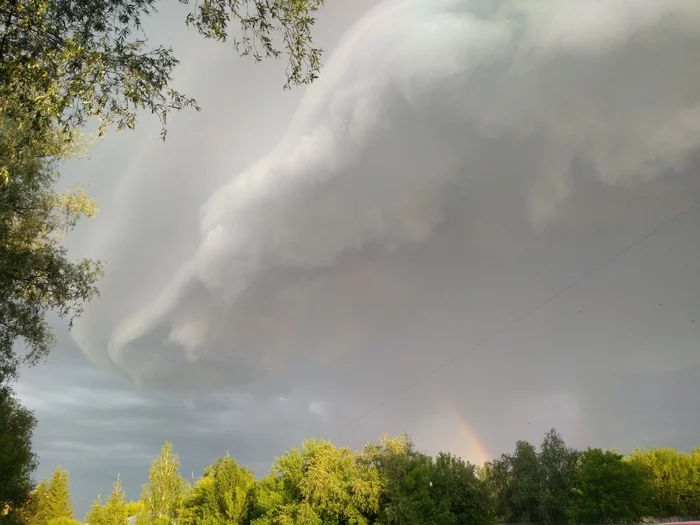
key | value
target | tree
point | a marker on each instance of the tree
(96, 514)
(162, 496)
(63, 62)
(220, 496)
(317, 484)
(133, 508)
(405, 476)
(36, 275)
(675, 479)
(455, 483)
(17, 461)
(609, 490)
(52, 503)
(115, 512)
(58, 499)
(515, 480)
(558, 465)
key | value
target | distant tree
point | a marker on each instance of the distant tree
(405, 475)
(316, 484)
(17, 461)
(115, 512)
(609, 490)
(693, 506)
(516, 481)
(675, 479)
(64, 521)
(558, 466)
(37, 511)
(454, 482)
(58, 498)
(220, 496)
(52, 503)
(96, 514)
(163, 494)
(133, 508)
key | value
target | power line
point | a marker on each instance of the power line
(517, 320)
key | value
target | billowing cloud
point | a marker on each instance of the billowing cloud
(447, 142)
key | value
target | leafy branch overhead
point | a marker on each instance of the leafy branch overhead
(63, 61)
(260, 22)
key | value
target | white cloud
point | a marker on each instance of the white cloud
(438, 128)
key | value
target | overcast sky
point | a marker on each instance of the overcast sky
(481, 222)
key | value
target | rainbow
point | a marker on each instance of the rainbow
(477, 449)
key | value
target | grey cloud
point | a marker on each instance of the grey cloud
(387, 151)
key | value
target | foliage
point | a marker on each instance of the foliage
(164, 493)
(64, 521)
(62, 62)
(405, 477)
(609, 490)
(17, 461)
(260, 21)
(456, 484)
(558, 465)
(36, 275)
(115, 510)
(52, 501)
(133, 508)
(220, 496)
(391, 483)
(516, 483)
(675, 478)
(317, 484)
(96, 514)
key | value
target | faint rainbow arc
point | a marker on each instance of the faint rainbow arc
(474, 443)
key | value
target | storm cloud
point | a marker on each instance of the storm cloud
(441, 132)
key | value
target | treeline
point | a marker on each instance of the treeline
(392, 483)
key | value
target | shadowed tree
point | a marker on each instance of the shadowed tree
(455, 483)
(405, 476)
(558, 464)
(609, 490)
(17, 461)
(675, 479)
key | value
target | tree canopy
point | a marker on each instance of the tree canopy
(220, 496)
(390, 482)
(609, 490)
(63, 62)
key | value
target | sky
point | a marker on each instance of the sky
(480, 223)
